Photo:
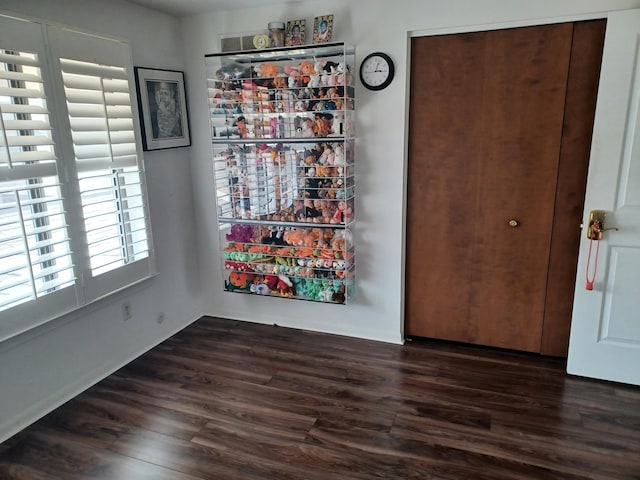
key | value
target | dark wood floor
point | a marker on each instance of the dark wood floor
(232, 400)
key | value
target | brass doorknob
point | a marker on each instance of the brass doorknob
(513, 223)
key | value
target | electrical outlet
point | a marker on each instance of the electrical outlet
(126, 311)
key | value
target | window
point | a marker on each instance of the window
(73, 214)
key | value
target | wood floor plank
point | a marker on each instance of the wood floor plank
(231, 400)
(67, 459)
(566, 460)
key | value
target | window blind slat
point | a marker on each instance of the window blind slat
(123, 149)
(99, 124)
(20, 76)
(46, 287)
(41, 201)
(11, 252)
(95, 223)
(91, 165)
(92, 69)
(85, 152)
(48, 243)
(22, 59)
(119, 111)
(22, 108)
(31, 170)
(84, 82)
(49, 257)
(81, 82)
(124, 137)
(93, 112)
(117, 98)
(86, 111)
(18, 279)
(99, 138)
(23, 141)
(53, 269)
(85, 96)
(116, 85)
(26, 125)
(8, 268)
(20, 92)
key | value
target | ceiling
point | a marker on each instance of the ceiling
(183, 8)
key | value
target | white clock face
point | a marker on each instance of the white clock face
(376, 72)
(260, 41)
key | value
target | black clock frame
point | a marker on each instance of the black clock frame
(389, 79)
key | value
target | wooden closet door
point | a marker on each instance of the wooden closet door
(486, 124)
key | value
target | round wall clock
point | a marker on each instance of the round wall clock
(376, 71)
(261, 41)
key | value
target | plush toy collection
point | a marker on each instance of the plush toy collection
(311, 183)
(314, 263)
(274, 100)
(284, 156)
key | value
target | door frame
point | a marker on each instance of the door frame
(448, 31)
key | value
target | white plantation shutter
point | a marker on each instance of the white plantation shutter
(73, 213)
(35, 255)
(101, 120)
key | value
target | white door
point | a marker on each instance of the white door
(605, 329)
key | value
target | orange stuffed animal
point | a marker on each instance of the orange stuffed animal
(306, 68)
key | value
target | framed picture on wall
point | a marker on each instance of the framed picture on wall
(162, 102)
(322, 29)
(295, 33)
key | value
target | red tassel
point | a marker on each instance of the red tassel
(595, 264)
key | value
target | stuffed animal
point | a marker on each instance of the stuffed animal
(306, 68)
(232, 71)
(340, 295)
(338, 244)
(280, 81)
(269, 70)
(343, 213)
(285, 286)
(314, 75)
(337, 124)
(239, 281)
(323, 158)
(339, 74)
(338, 155)
(323, 123)
(307, 128)
(293, 74)
(260, 288)
(240, 233)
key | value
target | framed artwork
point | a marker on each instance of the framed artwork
(322, 29)
(295, 33)
(162, 103)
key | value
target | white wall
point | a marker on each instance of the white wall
(45, 367)
(377, 312)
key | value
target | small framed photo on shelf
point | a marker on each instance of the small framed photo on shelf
(162, 102)
(295, 33)
(322, 29)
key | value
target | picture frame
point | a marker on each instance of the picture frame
(162, 105)
(322, 29)
(292, 37)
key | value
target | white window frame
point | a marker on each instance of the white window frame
(51, 42)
